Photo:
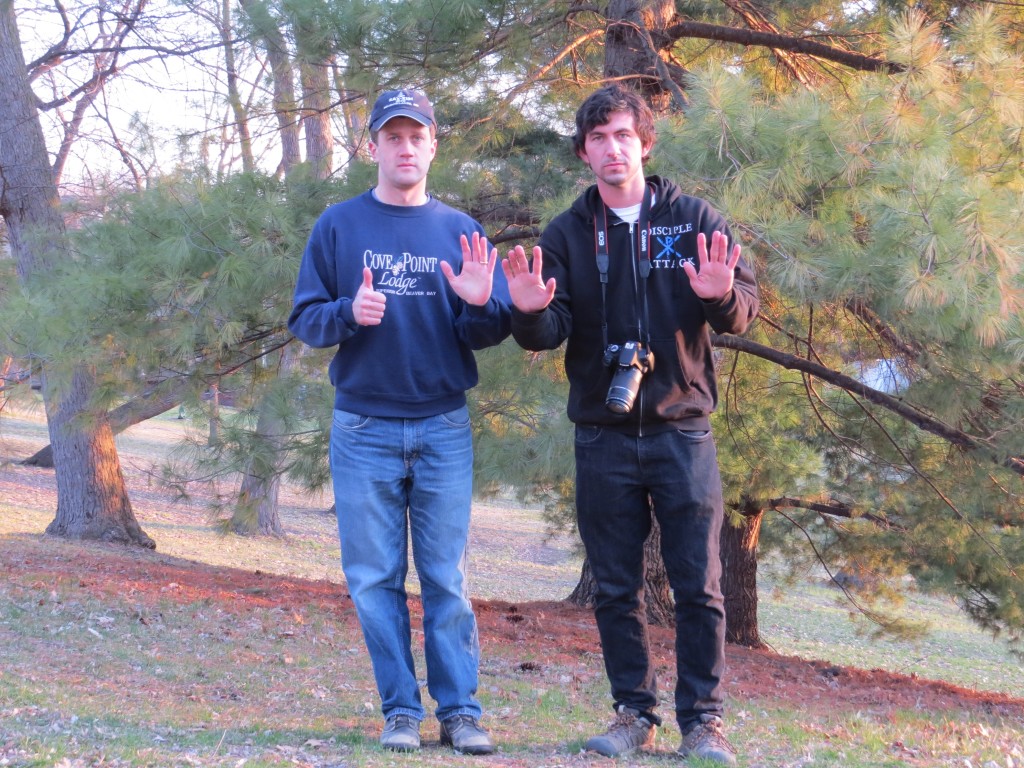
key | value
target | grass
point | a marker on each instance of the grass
(190, 658)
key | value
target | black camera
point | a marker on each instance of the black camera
(631, 361)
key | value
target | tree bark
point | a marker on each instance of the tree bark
(314, 76)
(739, 578)
(261, 483)
(629, 52)
(256, 510)
(151, 403)
(92, 499)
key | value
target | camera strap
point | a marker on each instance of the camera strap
(642, 250)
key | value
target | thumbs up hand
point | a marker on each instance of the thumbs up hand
(368, 304)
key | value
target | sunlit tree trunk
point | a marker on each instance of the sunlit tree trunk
(629, 51)
(162, 397)
(739, 577)
(92, 499)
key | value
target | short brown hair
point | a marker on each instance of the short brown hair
(597, 108)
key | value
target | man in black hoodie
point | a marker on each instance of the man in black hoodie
(634, 276)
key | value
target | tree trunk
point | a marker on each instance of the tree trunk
(629, 52)
(314, 75)
(657, 595)
(739, 578)
(285, 108)
(92, 499)
(261, 483)
(214, 435)
(257, 511)
(238, 110)
(151, 403)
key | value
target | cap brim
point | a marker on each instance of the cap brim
(401, 113)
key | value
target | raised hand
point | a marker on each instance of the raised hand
(368, 304)
(525, 280)
(715, 277)
(474, 281)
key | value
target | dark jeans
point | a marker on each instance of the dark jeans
(618, 479)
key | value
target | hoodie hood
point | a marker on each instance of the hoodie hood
(665, 194)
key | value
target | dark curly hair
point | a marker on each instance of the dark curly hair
(597, 108)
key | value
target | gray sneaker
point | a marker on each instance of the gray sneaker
(706, 739)
(628, 733)
(401, 734)
(463, 733)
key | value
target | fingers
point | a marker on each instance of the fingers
(735, 258)
(477, 252)
(518, 264)
(368, 305)
(538, 262)
(549, 289)
(719, 250)
(702, 249)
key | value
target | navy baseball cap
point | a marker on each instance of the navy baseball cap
(404, 103)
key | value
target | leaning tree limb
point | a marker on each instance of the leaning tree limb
(907, 411)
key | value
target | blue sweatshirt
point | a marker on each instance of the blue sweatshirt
(419, 361)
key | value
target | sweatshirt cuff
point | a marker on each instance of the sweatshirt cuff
(481, 310)
(345, 310)
(526, 318)
(722, 304)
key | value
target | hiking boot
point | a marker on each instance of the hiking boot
(401, 734)
(706, 739)
(463, 733)
(629, 732)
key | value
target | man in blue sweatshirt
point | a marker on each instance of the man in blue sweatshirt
(402, 285)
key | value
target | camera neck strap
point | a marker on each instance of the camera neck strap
(642, 246)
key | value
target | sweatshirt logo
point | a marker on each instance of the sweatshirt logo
(399, 274)
(667, 251)
(667, 238)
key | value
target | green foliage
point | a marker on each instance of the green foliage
(885, 217)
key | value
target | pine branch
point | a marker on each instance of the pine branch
(910, 413)
(749, 37)
(835, 509)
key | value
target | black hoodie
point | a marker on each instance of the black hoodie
(680, 391)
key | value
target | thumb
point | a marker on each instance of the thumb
(367, 279)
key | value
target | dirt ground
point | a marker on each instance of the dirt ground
(554, 631)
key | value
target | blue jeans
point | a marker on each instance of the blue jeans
(393, 476)
(618, 480)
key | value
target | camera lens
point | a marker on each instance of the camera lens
(622, 392)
